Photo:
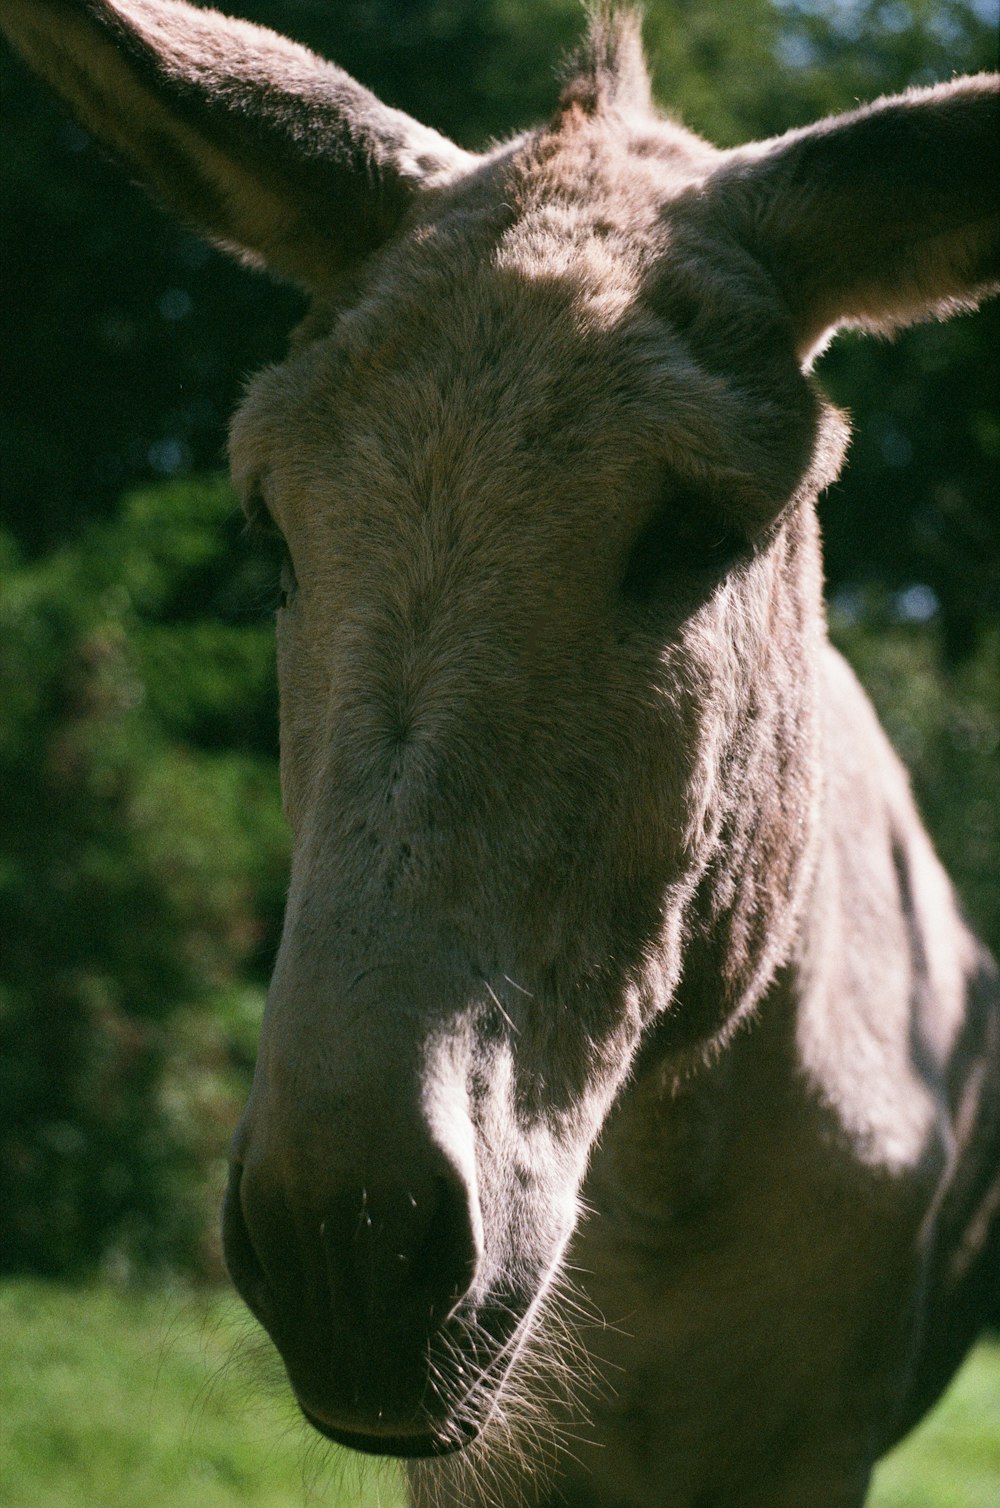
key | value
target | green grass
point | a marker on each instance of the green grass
(953, 1459)
(111, 1400)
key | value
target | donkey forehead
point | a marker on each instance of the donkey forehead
(529, 318)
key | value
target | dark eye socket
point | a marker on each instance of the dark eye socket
(258, 514)
(287, 584)
(688, 536)
(271, 542)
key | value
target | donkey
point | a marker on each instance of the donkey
(627, 1112)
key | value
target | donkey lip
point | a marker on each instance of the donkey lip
(419, 1445)
(460, 1422)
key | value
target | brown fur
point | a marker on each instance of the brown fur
(608, 893)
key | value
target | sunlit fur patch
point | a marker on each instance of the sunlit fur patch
(531, 1417)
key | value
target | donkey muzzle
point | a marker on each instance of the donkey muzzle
(357, 1289)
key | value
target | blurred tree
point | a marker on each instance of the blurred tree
(945, 723)
(142, 868)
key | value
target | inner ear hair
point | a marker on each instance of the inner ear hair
(255, 142)
(882, 217)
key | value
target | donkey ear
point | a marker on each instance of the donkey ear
(885, 216)
(250, 138)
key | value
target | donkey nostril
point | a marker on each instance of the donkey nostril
(444, 1266)
(405, 1255)
(242, 1261)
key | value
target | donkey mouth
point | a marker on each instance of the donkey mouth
(420, 1445)
(460, 1419)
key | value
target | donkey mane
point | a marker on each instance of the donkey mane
(608, 71)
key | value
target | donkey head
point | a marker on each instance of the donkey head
(544, 457)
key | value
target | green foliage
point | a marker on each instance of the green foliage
(945, 723)
(141, 878)
(953, 1459)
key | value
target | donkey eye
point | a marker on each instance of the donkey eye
(278, 572)
(287, 584)
(687, 536)
(259, 521)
